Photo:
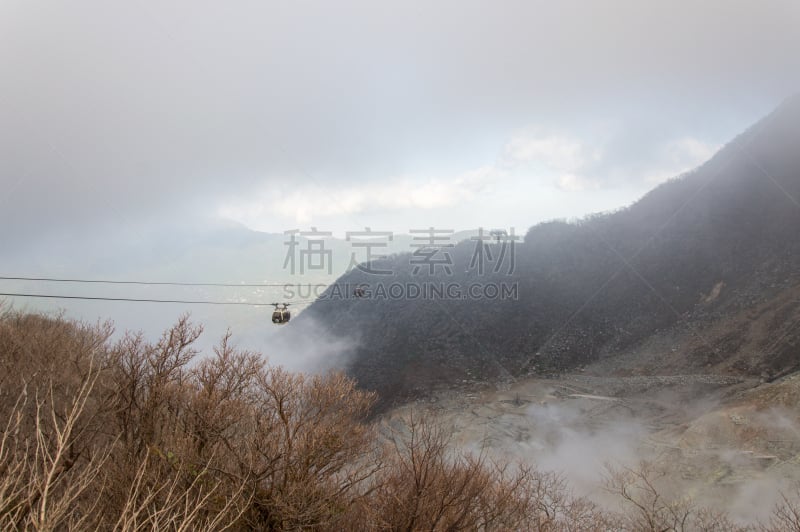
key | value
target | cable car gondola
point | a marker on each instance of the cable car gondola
(281, 314)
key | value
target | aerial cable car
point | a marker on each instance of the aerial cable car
(281, 314)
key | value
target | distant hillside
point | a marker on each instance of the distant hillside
(675, 281)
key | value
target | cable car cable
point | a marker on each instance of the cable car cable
(135, 300)
(154, 283)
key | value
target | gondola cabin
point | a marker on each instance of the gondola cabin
(281, 314)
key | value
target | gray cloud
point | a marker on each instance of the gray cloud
(158, 111)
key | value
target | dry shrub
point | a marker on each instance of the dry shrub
(786, 516)
(140, 435)
(429, 486)
(643, 490)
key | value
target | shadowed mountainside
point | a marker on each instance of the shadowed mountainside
(699, 274)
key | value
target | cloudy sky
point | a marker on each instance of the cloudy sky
(393, 115)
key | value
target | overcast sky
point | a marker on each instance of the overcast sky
(394, 115)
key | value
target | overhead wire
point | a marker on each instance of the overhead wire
(293, 301)
(148, 283)
(147, 300)
(153, 283)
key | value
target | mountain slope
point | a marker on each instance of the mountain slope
(676, 274)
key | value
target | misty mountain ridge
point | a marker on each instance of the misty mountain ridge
(699, 275)
(217, 250)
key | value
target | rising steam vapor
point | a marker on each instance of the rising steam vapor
(309, 347)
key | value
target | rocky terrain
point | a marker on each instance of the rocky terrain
(729, 443)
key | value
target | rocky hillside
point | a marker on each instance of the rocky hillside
(699, 274)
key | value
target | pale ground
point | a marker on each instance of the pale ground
(729, 443)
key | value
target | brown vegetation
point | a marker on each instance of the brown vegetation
(134, 435)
